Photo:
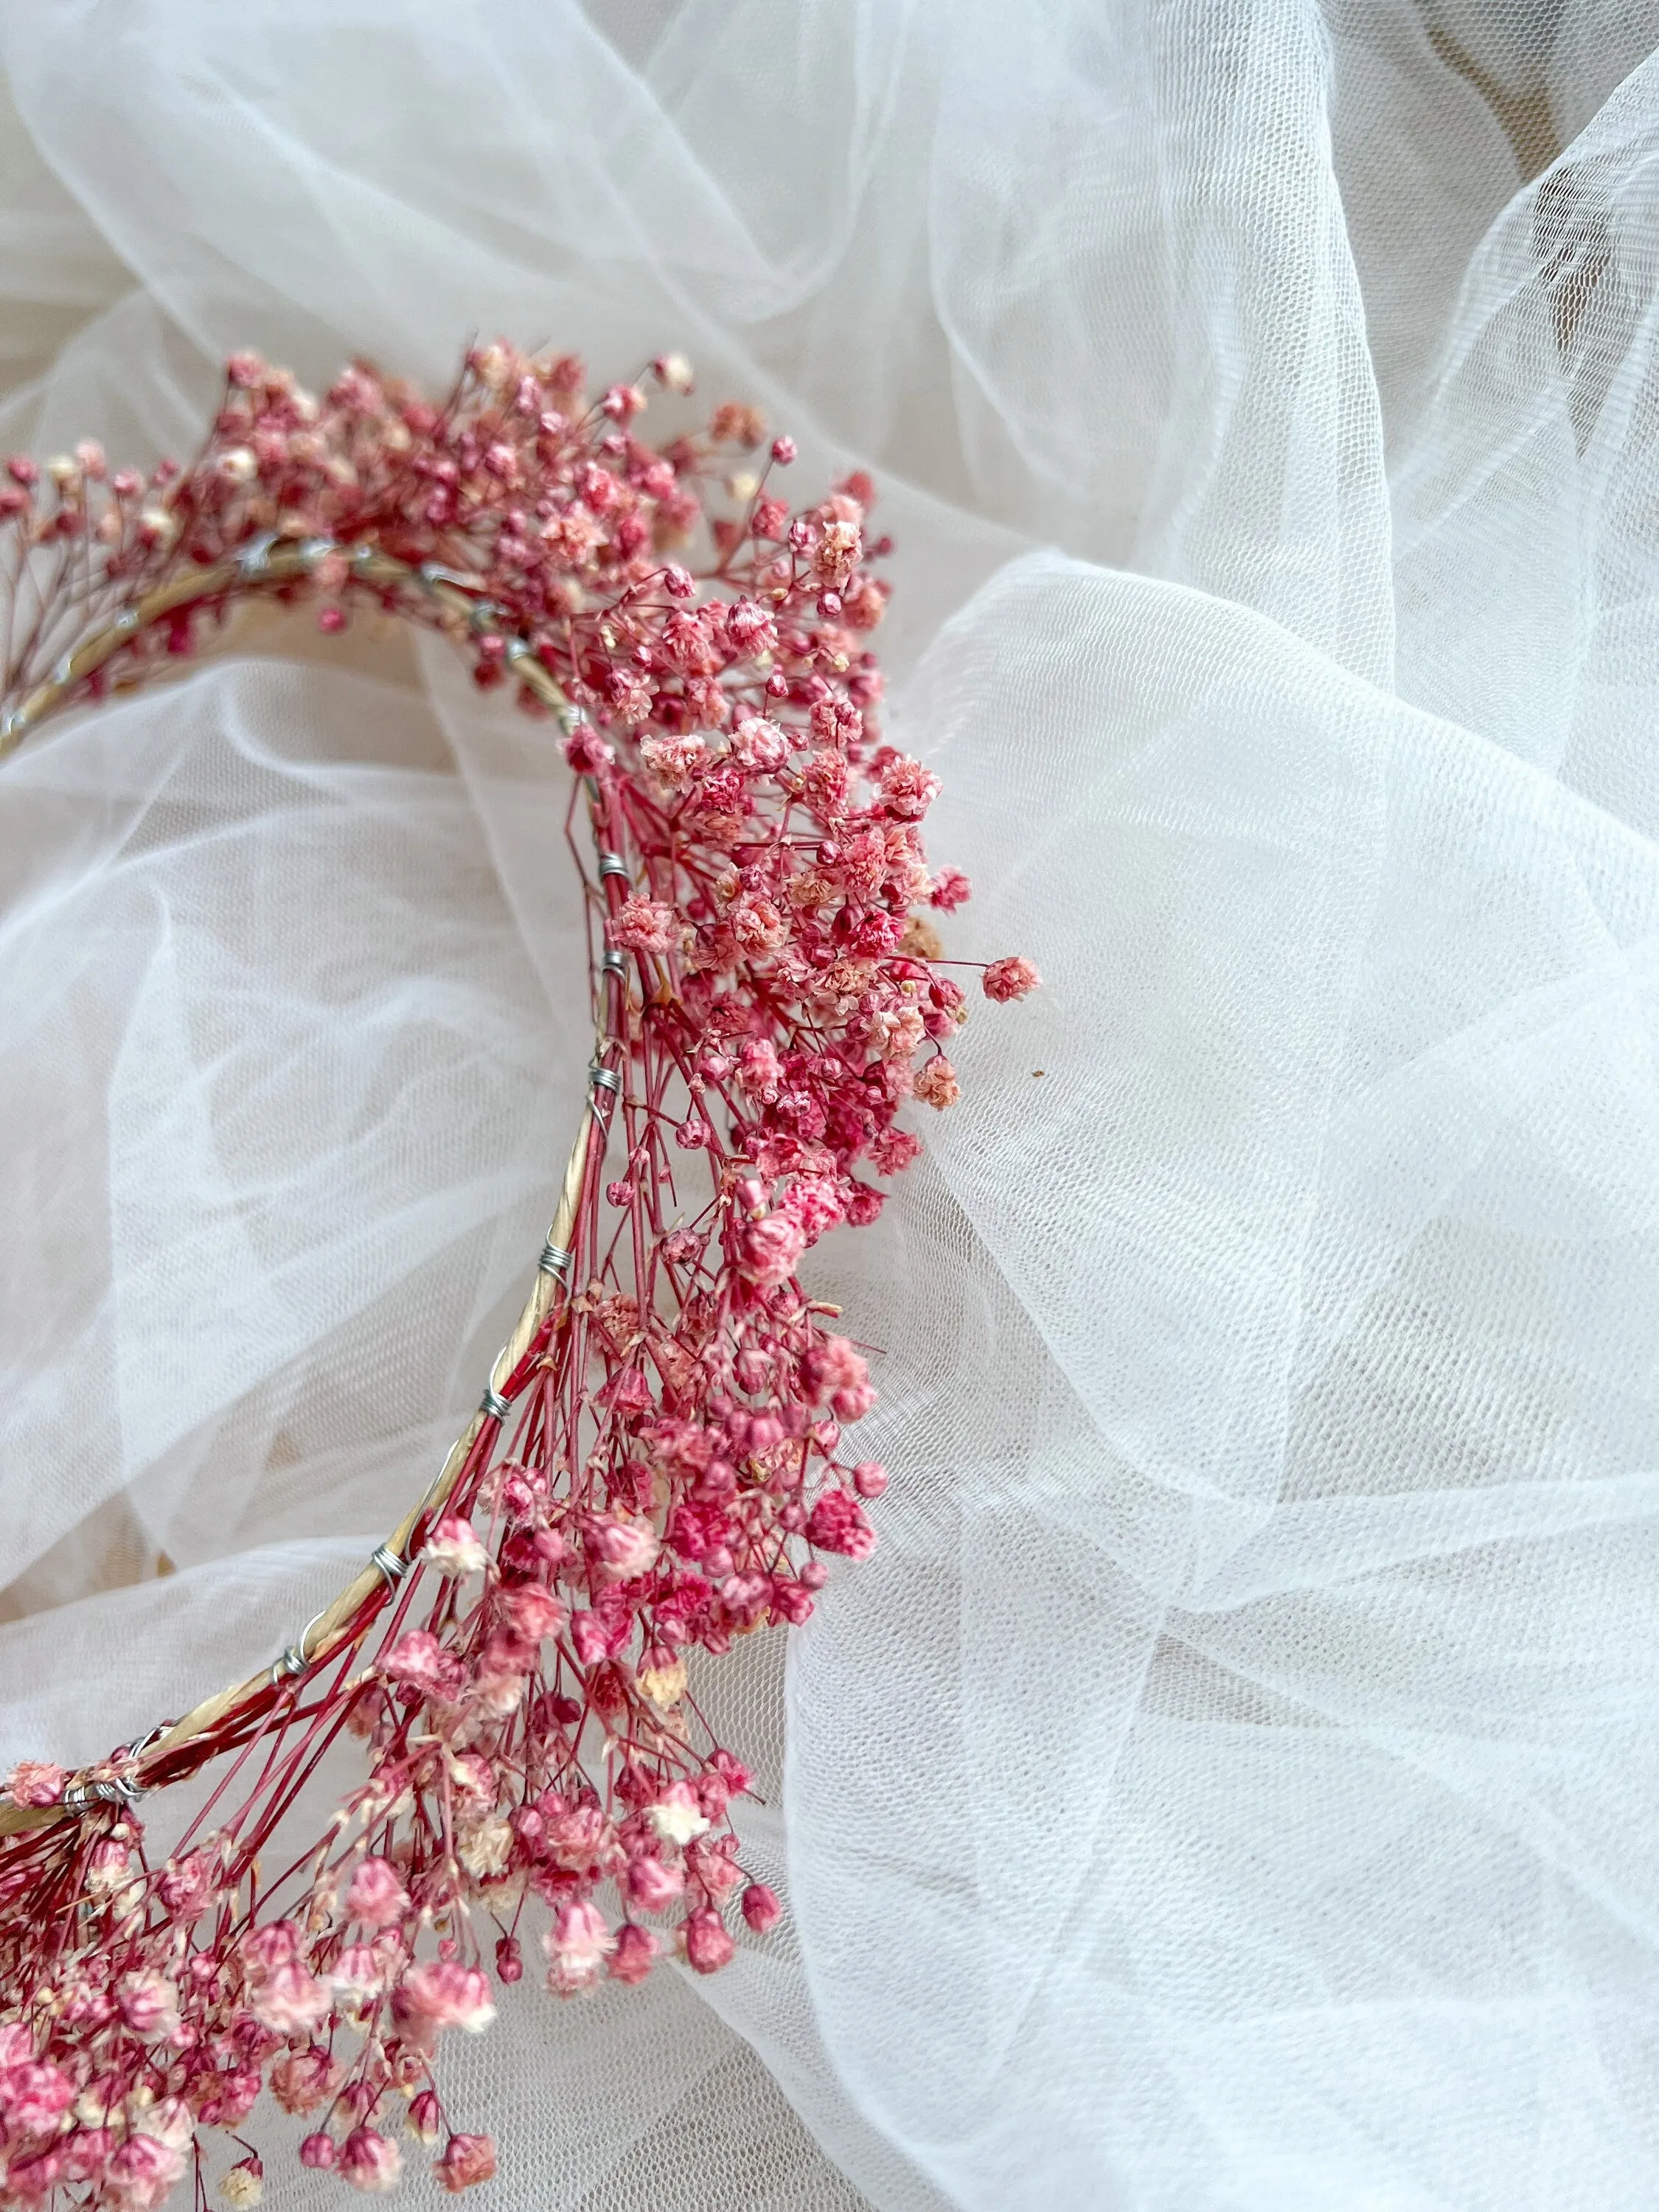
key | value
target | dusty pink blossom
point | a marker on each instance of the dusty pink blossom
(370, 2160)
(652, 1884)
(577, 1947)
(623, 1546)
(908, 788)
(141, 2174)
(837, 1523)
(534, 1611)
(635, 1954)
(644, 925)
(676, 760)
(1013, 978)
(466, 2160)
(289, 1999)
(318, 2150)
(36, 1782)
(772, 1247)
(376, 1896)
(441, 1994)
(936, 1082)
(761, 1908)
(708, 1944)
(302, 2080)
(148, 2002)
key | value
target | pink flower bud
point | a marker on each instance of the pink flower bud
(636, 1949)
(318, 2150)
(870, 1478)
(370, 2160)
(426, 2117)
(708, 1944)
(466, 2160)
(761, 1908)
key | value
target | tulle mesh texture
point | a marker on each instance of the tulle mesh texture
(1232, 1786)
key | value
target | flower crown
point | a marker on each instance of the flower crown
(659, 1463)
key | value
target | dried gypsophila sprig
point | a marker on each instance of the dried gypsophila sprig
(672, 1430)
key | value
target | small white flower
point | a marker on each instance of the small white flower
(677, 1816)
(454, 1548)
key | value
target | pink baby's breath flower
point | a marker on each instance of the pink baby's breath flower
(454, 1548)
(444, 1994)
(652, 1884)
(761, 1908)
(302, 2080)
(1013, 978)
(377, 1897)
(466, 2160)
(837, 1523)
(577, 1946)
(33, 2095)
(36, 1782)
(422, 1661)
(148, 2002)
(644, 925)
(936, 1083)
(676, 1815)
(908, 789)
(370, 2160)
(141, 2174)
(289, 1999)
(635, 1954)
(318, 2150)
(708, 1944)
(623, 1547)
(533, 1611)
(761, 746)
(677, 761)
(772, 1247)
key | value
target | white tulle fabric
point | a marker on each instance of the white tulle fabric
(1233, 1784)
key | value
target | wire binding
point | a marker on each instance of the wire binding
(392, 1564)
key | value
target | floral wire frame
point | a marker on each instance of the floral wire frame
(655, 1466)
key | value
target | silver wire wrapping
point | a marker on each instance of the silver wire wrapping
(494, 1406)
(392, 1564)
(107, 1790)
(295, 1661)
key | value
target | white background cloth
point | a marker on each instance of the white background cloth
(1233, 1786)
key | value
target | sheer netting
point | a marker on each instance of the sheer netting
(1233, 1785)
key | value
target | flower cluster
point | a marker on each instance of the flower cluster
(666, 1469)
